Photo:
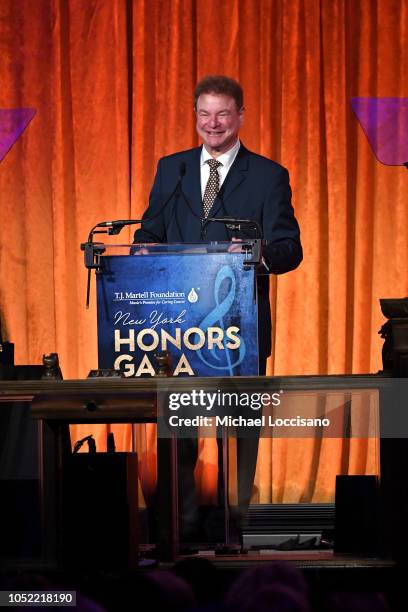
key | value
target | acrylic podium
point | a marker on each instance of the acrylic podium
(196, 302)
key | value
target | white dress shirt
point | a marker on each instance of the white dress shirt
(226, 159)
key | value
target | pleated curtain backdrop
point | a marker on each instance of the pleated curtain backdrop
(112, 83)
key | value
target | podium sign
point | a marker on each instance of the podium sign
(197, 302)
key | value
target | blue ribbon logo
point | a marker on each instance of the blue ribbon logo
(216, 316)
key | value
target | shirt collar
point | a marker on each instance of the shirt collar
(226, 159)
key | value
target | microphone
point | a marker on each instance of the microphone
(176, 191)
(117, 222)
(235, 224)
(115, 227)
(177, 188)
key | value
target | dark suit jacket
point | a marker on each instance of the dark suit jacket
(255, 188)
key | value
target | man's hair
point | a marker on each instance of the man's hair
(219, 84)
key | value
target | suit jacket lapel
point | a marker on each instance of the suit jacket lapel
(192, 181)
(236, 175)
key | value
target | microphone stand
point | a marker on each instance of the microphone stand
(94, 250)
(253, 249)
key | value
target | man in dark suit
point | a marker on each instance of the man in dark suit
(223, 179)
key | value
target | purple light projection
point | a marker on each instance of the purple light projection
(385, 123)
(13, 122)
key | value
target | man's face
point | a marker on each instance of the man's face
(218, 122)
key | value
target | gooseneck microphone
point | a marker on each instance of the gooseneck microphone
(234, 224)
(116, 226)
(231, 223)
(177, 189)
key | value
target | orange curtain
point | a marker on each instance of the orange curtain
(112, 84)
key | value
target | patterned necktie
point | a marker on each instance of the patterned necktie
(212, 187)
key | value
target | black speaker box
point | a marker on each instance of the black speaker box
(100, 507)
(357, 515)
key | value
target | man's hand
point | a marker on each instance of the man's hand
(141, 251)
(235, 248)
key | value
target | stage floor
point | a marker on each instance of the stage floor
(304, 558)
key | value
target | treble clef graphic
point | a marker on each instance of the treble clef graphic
(216, 315)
